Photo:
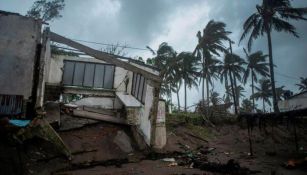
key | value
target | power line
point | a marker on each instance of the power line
(104, 44)
(287, 76)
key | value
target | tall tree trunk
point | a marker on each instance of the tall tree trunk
(237, 93)
(233, 92)
(231, 82)
(171, 101)
(178, 98)
(263, 105)
(185, 96)
(208, 99)
(253, 91)
(203, 83)
(275, 105)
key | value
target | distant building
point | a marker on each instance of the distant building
(297, 101)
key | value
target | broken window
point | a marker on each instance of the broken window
(84, 74)
(139, 87)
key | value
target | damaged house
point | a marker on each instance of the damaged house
(96, 85)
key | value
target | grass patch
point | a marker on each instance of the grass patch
(201, 131)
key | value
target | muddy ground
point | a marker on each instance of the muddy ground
(96, 151)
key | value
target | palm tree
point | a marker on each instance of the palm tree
(264, 92)
(303, 84)
(211, 71)
(231, 69)
(272, 14)
(177, 81)
(165, 61)
(256, 65)
(188, 70)
(239, 93)
(210, 42)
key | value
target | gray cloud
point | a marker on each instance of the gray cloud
(149, 22)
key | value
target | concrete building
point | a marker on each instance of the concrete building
(102, 86)
(100, 81)
(295, 102)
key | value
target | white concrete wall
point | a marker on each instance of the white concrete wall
(96, 102)
(145, 123)
(296, 102)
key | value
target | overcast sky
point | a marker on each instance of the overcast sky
(138, 23)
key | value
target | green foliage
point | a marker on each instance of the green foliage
(210, 42)
(46, 10)
(256, 65)
(247, 106)
(302, 85)
(181, 117)
(272, 15)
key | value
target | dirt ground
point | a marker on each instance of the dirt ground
(95, 152)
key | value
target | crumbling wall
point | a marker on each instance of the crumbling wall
(19, 37)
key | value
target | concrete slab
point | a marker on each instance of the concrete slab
(128, 100)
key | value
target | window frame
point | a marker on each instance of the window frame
(139, 82)
(93, 77)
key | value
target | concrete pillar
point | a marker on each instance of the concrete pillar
(160, 133)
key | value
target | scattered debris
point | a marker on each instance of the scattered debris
(168, 160)
(172, 164)
(296, 163)
(231, 167)
(197, 137)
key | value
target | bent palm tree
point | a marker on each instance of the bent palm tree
(272, 14)
(303, 84)
(256, 65)
(165, 61)
(210, 42)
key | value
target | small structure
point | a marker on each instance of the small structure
(295, 102)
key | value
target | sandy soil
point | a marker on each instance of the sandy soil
(96, 153)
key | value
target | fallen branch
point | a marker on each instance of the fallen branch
(197, 137)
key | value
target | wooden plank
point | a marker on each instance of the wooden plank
(101, 117)
(102, 56)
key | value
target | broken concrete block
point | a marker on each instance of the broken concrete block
(122, 140)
